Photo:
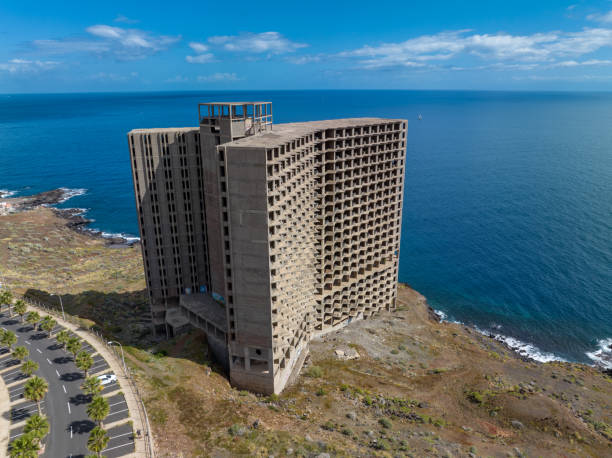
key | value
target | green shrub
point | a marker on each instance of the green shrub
(314, 372)
(328, 426)
(475, 397)
(321, 392)
(381, 444)
(385, 423)
(236, 430)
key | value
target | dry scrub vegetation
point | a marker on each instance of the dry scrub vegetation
(419, 387)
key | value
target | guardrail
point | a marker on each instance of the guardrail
(129, 375)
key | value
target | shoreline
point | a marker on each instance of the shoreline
(601, 356)
(76, 221)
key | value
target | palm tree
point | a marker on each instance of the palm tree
(25, 446)
(35, 390)
(29, 367)
(62, 337)
(20, 353)
(84, 361)
(91, 386)
(98, 440)
(8, 339)
(6, 297)
(20, 308)
(73, 345)
(33, 318)
(37, 426)
(98, 409)
(47, 324)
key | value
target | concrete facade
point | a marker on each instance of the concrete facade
(293, 230)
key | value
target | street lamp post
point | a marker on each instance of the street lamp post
(61, 304)
(110, 342)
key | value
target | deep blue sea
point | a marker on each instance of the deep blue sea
(507, 221)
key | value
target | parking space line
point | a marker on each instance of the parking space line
(119, 435)
(11, 373)
(119, 411)
(117, 403)
(68, 404)
(49, 361)
(27, 342)
(31, 405)
(16, 435)
(38, 350)
(57, 373)
(118, 446)
(22, 414)
(64, 387)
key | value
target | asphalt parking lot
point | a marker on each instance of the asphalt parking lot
(65, 404)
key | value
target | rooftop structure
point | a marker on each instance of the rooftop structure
(265, 235)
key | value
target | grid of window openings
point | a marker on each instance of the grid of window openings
(334, 201)
(168, 184)
(326, 211)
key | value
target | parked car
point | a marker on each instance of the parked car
(107, 379)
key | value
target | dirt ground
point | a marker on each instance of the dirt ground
(417, 388)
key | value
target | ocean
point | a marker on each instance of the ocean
(507, 221)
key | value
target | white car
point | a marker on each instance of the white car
(107, 379)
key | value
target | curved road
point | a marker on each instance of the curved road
(65, 404)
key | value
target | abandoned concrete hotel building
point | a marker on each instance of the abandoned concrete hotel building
(266, 236)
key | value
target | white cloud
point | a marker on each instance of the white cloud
(501, 47)
(301, 60)
(27, 66)
(573, 63)
(202, 56)
(125, 20)
(104, 76)
(218, 77)
(266, 42)
(200, 59)
(198, 47)
(124, 44)
(606, 17)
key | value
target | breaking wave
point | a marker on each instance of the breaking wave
(69, 193)
(603, 356)
(4, 193)
(524, 349)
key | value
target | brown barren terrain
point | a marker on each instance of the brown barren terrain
(417, 388)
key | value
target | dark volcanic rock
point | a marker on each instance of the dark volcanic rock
(44, 198)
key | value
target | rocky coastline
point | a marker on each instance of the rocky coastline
(74, 216)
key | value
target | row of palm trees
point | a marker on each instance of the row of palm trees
(35, 389)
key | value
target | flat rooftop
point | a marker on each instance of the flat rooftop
(282, 133)
(161, 130)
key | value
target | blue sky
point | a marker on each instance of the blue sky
(71, 46)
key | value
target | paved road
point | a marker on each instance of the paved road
(65, 404)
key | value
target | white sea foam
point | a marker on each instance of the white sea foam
(440, 315)
(70, 193)
(524, 349)
(128, 238)
(603, 356)
(528, 350)
(4, 193)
